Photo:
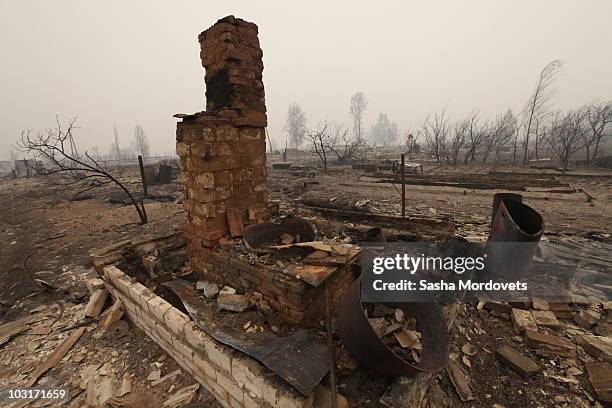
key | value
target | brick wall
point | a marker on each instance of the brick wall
(235, 379)
(297, 302)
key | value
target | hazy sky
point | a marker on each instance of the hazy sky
(129, 62)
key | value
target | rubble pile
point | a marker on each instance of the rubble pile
(397, 331)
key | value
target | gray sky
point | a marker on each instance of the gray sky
(129, 62)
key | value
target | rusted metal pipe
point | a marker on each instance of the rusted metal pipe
(499, 197)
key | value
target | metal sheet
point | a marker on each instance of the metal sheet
(298, 359)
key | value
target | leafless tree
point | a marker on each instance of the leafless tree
(599, 117)
(359, 104)
(457, 140)
(140, 143)
(507, 128)
(54, 148)
(498, 134)
(322, 142)
(476, 134)
(566, 136)
(296, 124)
(344, 146)
(537, 104)
(434, 130)
(541, 131)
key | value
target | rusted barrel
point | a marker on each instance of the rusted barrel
(514, 223)
(499, 197)
(365, 345)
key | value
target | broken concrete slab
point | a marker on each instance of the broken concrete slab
(554, 344)
(523, 365)
(232, 302)
(523, 320)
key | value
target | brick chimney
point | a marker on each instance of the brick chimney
(222, 150)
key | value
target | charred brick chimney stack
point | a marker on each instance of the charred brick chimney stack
(222, 150)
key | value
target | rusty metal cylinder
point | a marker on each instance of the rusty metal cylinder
(499, 197)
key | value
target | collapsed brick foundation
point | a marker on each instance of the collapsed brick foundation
(297, 302)
(235, 379)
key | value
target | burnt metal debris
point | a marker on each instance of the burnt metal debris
(297, 358)
(257, 236)
(364, 344)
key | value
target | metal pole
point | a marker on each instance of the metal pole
(332, 349)
(403, 186)
(142, 176)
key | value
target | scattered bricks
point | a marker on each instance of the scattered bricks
(115, 313)
(540, 304)
(175, 321)
(459, 380)
(96, 303)
(545, 318)
(230, 386)
(525, 366)
(561, 310)
(523, 320)
(217, 355)
(209, 289)
(600, 377)
(232, 302)
(587, 318)
(152, 264)
(93, 284)
(554, 344)
(597, 346)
